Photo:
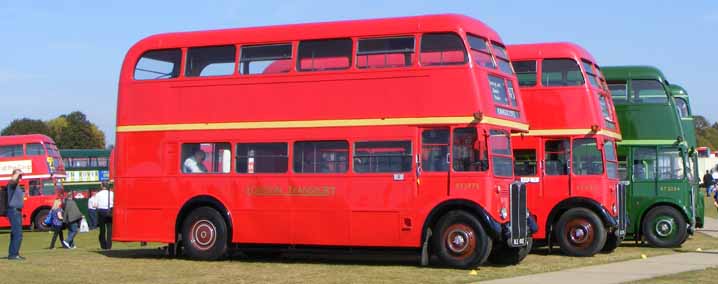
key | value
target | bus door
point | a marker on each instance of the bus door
(672, 181)
(433, 179)
(587, 172)
(555, 183)
(643, 178)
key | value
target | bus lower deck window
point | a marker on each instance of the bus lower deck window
(202, 158)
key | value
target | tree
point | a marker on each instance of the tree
(74, 131)
(26, 126)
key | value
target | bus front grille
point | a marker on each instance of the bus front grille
(519, 227)
(621, 204)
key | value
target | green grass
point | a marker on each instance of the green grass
(128, 262)
(697, 277)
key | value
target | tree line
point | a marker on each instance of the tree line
(69, 131)
(706, 133)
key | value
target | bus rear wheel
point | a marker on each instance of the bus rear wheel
(502, 254)
(204, 234)
(461, 241)
(38, 223)
(580, 233)
(664, 227)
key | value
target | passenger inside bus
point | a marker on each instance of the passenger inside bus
(194, 163)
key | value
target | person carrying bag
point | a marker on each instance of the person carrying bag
(104, 200)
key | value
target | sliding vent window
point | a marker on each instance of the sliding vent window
(502, 58)
(321, 157)
(442, 49)
(590, 73)
(265, 59)
(526, 72)
(210, 61)
(480, 52)
(158, 64)
(262, 158)
(382, 157)
(561, 72)
(324, 55)
(385, 52)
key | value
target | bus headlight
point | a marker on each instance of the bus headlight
(502, 213)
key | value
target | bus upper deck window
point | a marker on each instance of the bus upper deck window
(210, 61)
(619, 94)
(324, 55)
(561, 72)
(385, 52)
(10, 151)
(34, 149)
(648, 91)
(526, 72)
(480, 52)
(442, 49)
(502, 58)
(158, 64)
(590, 73)
(265, 59)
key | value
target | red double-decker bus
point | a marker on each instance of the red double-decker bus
(568, 158)
(37, 156)
(368, 133)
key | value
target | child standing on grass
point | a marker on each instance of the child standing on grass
(56, 223)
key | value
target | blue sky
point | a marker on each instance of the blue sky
(61, 56)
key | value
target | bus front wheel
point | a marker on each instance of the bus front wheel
(204, 234)
(664, 227)
(461, 241)
(580, 232)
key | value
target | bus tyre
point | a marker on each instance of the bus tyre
(580, 232)
(204, 234)
(38, 222)
(664, 227)
(461, 241)
(612, 243)
(502, 254)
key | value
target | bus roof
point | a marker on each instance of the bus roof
(678, 91)
(623, 73)
(23, 139)
(549, 50)
(84, 153)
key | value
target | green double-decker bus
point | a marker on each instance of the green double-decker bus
(683, 108)
(86, 169)
(654, 157)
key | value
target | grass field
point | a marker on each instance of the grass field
(698, 277)
(130, 263)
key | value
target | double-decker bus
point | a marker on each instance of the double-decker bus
(568, 158)
(37, 156)
(86, 169)
(368, 133)
(653, 157)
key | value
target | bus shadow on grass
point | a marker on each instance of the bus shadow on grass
(339, 257)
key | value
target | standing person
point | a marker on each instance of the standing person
(708, 182)
(72, 216)
(105, 202)
(16, 200)
(92, 210)
(56, 223)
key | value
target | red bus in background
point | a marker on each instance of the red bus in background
(568, 158)
(38, 158)
(369, 133)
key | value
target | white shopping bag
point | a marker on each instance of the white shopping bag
(84, 228)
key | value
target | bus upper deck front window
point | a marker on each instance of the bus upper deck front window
(526, 72)
(480, 52)
(502, 58)
(682, 108)
(648, 91)
(561, 72)
(619, 93)
(590, 73)
(605, 110)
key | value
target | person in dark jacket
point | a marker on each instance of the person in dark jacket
(16, 200)
(72, 217)
(708, 182)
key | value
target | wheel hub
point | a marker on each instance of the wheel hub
(203, 234)
(664, 227)
(580, 232)
(460, 240)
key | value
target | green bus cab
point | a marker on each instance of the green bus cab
(654, 157)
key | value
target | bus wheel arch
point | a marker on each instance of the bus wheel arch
(37, 219)
(202, 205)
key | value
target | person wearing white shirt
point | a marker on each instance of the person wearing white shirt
(105, 201)
(194, 163)
(92, 210)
